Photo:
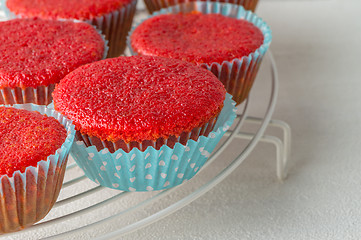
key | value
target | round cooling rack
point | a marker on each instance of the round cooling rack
(85, 210)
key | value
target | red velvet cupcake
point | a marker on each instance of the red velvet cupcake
(231, 45)
(112, 17)
(139, 101)
(26, 138)
(36, 54)
(33, 156)
(156, 5)
(196, 37)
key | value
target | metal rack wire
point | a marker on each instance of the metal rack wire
(58, 218)
(76, 204)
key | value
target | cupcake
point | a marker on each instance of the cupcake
(35, 54)
(222, 38)
(139, 102)
(156, 5)
(112, 17)
(126, 107)
(33, 153)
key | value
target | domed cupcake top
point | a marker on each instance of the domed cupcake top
(66, 9)
(26, 138)
(196, 37)
(139, 98)
(36, 52)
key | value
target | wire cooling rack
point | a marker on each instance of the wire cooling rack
(86, 210)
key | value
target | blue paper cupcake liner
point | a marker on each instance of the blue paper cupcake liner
(152, 169)
(237, 75)
(114, 25)
(28, 196)
(156, 5)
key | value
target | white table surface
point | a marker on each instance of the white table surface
(316, 45)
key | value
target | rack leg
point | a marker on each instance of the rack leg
(283, 147)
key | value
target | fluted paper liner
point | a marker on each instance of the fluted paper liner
(237, 75)
(152, 169)
(115, 26)
(28, 196)
(40, 95)
(194, 134)
(156, 5)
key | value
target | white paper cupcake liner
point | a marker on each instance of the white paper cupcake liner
(115, 26)
(152, 169)
(239, 74)
(28, 196)
(40, 95)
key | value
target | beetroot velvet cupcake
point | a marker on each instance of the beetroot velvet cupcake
(33, 155)
(222, 38)
(156, 5)
(135, 115)
(112, 17)
(139, 102)
(35, 54)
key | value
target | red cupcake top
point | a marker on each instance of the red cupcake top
(36, 52)
(26, 138)
(195, 37)
(64, 9)
(139, 98)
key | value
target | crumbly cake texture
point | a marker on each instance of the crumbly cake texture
(139, 98)
(64, 9)
(196, 37)
(37, 52)
(26, 138)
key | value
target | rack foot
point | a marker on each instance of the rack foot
(283, 146)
